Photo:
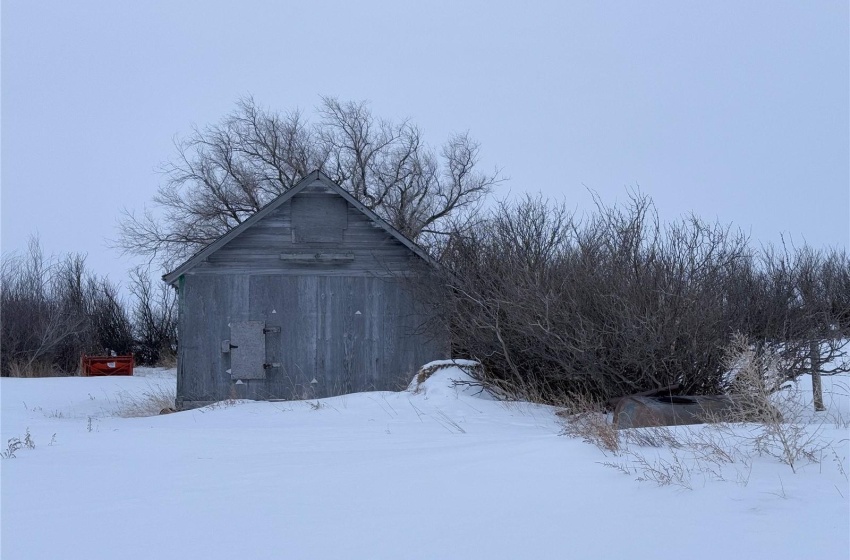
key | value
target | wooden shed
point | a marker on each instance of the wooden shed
(309, 297)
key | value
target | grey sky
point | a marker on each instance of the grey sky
(733, 110)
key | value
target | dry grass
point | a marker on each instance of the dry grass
(762, 422)
(13, 445)
(585, 418)
(167, 360)
(34, 369)
(151, 402)
(782, 429)
(654, 436)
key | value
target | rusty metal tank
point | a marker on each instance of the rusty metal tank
(642, 412)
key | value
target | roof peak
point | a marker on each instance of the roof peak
(306, 181)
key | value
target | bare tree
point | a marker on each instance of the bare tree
(154, 318)
(52, 310)
(814, 341)
(225, 172)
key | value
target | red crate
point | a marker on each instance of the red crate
(106, 365)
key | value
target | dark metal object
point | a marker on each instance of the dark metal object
(670, 410)
(675, 389)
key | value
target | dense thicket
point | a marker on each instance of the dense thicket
(616, 303)
(53, 309)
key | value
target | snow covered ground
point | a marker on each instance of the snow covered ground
(438, 473)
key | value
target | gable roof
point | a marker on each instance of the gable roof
(310, 180)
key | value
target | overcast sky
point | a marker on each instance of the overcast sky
(736, 111)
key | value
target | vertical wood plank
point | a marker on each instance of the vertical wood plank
(392, 369)
(210, 303)
(305, 323)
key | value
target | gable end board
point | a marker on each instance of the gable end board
(314, 179)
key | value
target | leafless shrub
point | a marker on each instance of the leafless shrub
(606, 305)
(617, 303)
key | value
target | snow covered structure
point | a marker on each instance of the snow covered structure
(309, 297)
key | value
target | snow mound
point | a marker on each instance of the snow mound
(436, 364)
(449, 378)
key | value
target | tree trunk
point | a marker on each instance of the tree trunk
(817, 387)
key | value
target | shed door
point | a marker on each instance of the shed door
(248, 350)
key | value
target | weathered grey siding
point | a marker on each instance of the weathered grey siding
(346, 333)
(343, 323)
(205, 309)
(258, 250)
